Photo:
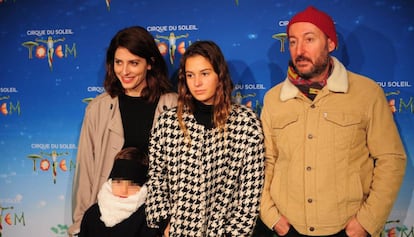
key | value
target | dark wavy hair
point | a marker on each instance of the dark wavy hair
(141, 43)
(222, 99)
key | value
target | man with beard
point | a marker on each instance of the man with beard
(334, 158)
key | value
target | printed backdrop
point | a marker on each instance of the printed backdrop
(52, 65)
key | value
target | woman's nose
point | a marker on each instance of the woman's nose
(197, 81)
(125, 70)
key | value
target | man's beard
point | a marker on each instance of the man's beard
(317, 69)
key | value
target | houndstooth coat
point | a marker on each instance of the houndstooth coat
(213, 187)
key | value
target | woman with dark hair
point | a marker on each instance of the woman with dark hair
(137, 92)
(206, 156)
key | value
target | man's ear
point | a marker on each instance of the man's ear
(331, 45)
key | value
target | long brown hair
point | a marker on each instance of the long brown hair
(141, 43)
(222, 98)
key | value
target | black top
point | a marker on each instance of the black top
(203, 114)
(134, 226)
(137, 118)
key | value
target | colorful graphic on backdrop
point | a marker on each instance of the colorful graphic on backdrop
(46, 48)
(281, 37)
(170, 39)
(9, 106)
(171, 47)
(45, 162)
(10, 217)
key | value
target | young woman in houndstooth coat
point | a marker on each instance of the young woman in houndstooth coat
(206, 155)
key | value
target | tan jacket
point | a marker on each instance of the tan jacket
(101, 138)
(333, 158)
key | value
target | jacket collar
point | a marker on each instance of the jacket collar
(115, 123)
(337, 82)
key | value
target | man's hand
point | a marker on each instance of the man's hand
(355, 229)
(282, 226)
(167, 231)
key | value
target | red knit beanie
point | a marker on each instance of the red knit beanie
(319, 18)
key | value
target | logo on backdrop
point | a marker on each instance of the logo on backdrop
(9, 217)
(8, 105)
(170, 47)
(49, 44)
(52, 160)
(241, 96)
(393, 229)
(93, 89)
(170, 41)
(281, 37)
(395, 100)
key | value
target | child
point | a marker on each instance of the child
(120, 210)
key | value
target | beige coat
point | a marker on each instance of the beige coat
(101, 138)
(333, 158)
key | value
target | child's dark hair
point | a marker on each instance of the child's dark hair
(131, 164)
(133, 153)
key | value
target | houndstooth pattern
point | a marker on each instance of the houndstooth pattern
(213, 187)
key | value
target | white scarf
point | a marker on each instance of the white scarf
(115, 209)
